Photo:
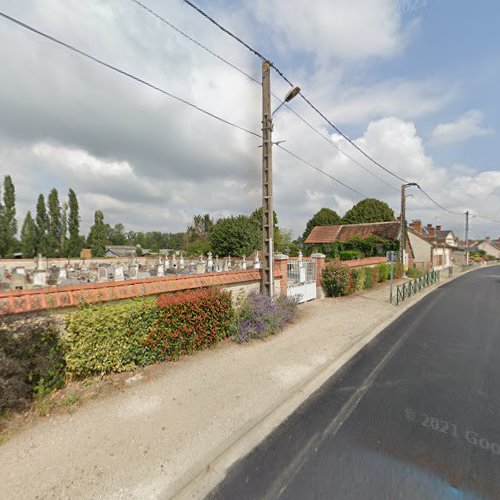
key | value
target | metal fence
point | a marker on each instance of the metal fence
(301, 271)
(412, 287)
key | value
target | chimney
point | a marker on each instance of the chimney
(438, 228)
(487, 239)
(431, 231)
(416, 225)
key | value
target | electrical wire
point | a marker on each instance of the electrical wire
(297, 157)
(196, 42)
(232, 65)
(125, 73)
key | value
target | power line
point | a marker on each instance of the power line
(125, 73)
(232, 65)
(196, 42)
(438, 204)
(280, 73)
(297, 157)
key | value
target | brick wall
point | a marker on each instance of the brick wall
(239, 283)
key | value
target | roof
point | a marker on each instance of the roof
(329, 234)
(121, 250)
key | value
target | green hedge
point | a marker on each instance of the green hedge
(350, 254)
(109, 338)
(121, 336)
(368, 277)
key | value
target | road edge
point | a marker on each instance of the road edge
(204, 476)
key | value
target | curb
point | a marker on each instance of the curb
(204, 476)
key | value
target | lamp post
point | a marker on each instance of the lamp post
(267, 276)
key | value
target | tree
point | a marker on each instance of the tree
(196, 238)
(41, 226)
(74, 242)
(54, 225)
(97, 236)
(325, 217)
(117, 235)
(369, 210)
(28, 237)
(64, 229)
(235, 236)
(9, 223)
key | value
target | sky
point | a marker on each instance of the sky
(414, 83)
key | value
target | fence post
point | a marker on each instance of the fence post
(320, 260)
(280, 263)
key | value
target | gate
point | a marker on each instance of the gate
(301, 279)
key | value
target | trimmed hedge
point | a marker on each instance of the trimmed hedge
(119, 337)
(31, 360)
(190, 321)
(350, 254)
(109, 338)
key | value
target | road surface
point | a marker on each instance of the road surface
(414, 415)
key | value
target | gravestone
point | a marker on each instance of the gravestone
(18, 281)
(200, 266)
(210, 263)
(39, 278)
(102, 274)
(62, 276)
(257, 263)
(160, 271)
(181, 262)
(244, 263)
(133, 271)
(119, 276)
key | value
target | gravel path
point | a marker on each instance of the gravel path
(140, 442)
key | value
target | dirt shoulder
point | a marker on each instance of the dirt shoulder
(165, 424)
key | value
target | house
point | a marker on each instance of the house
(442, 246)
(390, 231)
(490, 247)
(121, 251)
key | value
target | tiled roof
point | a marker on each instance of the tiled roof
(329, 234)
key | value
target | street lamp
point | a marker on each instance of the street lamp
(267, 283)
(293, 92)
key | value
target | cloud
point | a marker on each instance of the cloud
(340, 29)
(462, 129)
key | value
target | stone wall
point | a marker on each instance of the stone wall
(239, 283)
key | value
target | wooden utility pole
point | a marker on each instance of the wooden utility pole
(267, 277)
(402, 236)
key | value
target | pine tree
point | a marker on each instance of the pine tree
(64, 229)
(28, 237)
(41, 226)
(74, 242)
(54, 227)
(9, 216)
(97, 235)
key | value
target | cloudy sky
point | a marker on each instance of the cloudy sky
(413, 82)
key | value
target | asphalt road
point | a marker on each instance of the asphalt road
(414, 415)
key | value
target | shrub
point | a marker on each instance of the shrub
(109, 338)
(31, 360)
(336, 279)
(358, 278)
(190, 321)
(398, 270)
(368, 277)
(414, 273)
(384, 272)
(350, 254)
(259, 316)
(375, 276)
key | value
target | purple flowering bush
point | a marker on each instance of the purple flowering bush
(260, 316)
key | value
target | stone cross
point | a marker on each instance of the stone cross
(226, 265)
(210, 263)
(174, 262)
(217, 265)
(181, 262)
(167, 262)
(244, 262)
(160, 271)
(256, 264)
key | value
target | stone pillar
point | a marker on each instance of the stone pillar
(280, 263)
(320, 260)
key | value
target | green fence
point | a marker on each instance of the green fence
(412, 287)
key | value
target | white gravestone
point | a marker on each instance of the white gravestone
(119, 276)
